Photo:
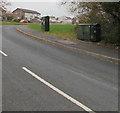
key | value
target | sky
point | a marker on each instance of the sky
(45, 7)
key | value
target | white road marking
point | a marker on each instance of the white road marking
(3, 53)
(59, 91)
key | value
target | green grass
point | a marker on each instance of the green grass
(59, 30)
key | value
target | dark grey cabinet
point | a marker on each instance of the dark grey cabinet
(90, 32)
(45, 23)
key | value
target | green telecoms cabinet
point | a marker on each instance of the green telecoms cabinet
(45, 23)
(90, 32)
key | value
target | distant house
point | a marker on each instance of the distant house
(2, 13)
(52, 19)
(65, 20)
(75, 20)
(30, 15)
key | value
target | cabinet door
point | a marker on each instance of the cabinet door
(93, 33)
(86, 32)
(80, 32)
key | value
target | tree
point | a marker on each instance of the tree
(3, 10)
(88, 8)
(112, 8)
(4, 3)
(80, 8)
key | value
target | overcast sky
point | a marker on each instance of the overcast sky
(45, 7)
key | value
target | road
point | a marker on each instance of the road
(91, 82)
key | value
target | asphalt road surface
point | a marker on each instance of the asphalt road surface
(40, 77)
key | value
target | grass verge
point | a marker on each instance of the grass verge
(58, 30)
(66, 31)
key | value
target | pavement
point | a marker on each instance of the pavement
(89, 48)
(35, 75)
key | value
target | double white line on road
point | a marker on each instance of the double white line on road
(59, 91)
(3, 53)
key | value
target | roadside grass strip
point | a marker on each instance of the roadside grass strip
(79, 104)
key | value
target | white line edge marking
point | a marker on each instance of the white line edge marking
(3, 53)
(59, 91)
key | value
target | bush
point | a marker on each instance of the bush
(84, 20)
(15, 20)
(9, 18)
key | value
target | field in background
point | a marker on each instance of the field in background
(12, 23)
(58, 30)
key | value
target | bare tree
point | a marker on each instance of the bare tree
(3, 9)
(4, 3)
(77, 7)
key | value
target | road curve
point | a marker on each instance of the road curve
(92, 82)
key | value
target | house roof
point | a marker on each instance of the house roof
(27, 11)
(68, 18)
(52, 17)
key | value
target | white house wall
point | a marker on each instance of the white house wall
(65, 21)
(30, 16)
(53, 20)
